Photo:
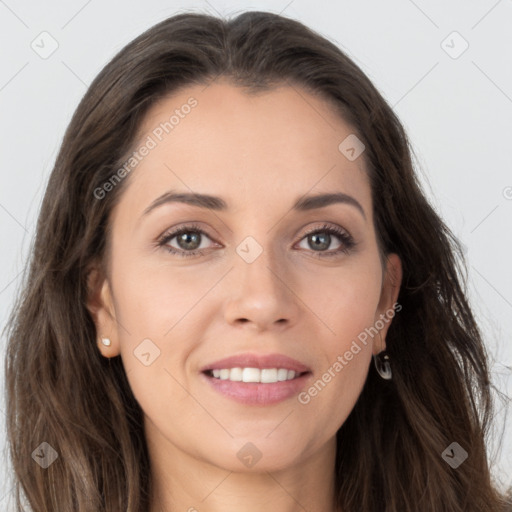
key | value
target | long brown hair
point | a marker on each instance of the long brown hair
(62, 392)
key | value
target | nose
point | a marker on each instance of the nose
(261, 295)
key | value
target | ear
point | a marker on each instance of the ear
(389, 295)
(101, 307)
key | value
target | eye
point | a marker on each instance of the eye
(189, 240)
(320, 238)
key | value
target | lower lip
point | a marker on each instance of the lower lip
(255, 393)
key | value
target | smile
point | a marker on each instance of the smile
(263, 376)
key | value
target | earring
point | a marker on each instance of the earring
(106, 342)
(383, 365)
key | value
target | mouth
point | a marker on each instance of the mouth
(255, 386)
(252, 379)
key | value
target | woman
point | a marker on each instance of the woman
(239, 295)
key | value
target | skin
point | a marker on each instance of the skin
(259, 153)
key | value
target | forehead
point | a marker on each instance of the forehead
(258, 151)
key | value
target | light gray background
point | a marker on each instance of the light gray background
(457, 110)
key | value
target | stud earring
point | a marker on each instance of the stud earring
(106, 342)
(383, 365)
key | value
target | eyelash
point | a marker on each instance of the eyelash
(346, 239)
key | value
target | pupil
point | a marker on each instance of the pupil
(322, 245)
(186, 239)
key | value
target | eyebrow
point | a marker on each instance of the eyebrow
(304, 203)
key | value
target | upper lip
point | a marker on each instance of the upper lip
(261, 361)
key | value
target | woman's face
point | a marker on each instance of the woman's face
(246, 279)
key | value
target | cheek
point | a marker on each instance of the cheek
(152, 299)
(345, 302)
(331, 396)
(158, 326)
(347, 309)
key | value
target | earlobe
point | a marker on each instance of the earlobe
(106, 349)
(100, 306)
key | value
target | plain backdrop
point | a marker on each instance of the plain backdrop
(444, 67)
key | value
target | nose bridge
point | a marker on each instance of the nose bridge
(261, 293)
(260, 262)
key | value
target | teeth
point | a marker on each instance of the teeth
(282, 374)
(268, 375)
(251, 375)
(235, 374)
(265, 376)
